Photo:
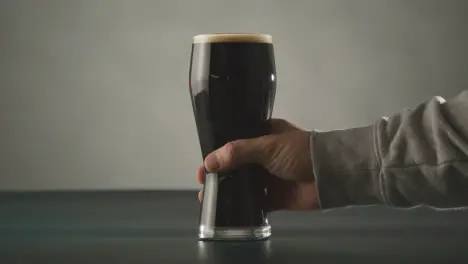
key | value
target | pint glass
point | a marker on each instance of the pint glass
(232, 85)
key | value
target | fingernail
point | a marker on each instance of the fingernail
(211, 162)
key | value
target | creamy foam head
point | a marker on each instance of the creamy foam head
(232, 37)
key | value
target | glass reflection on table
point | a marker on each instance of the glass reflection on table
(234, 252)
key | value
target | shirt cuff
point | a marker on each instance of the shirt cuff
(346, 167)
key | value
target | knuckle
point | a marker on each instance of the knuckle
(267, 147)
(229, 152)
(281, 125)
(278, 122)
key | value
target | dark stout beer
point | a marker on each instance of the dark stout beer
(233, 84)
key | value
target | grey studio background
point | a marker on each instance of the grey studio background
(94, 93)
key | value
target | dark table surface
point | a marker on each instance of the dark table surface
(161, 227)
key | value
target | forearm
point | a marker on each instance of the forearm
(417, 157)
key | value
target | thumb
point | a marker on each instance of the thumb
(239, 152)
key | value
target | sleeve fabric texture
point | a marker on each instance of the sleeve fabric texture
(416, 157)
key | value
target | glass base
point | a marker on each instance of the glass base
(235, 233)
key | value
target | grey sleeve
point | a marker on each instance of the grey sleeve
(417, 157)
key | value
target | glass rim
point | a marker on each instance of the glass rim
(232, 37)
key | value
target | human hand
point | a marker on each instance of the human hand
(285, 153)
